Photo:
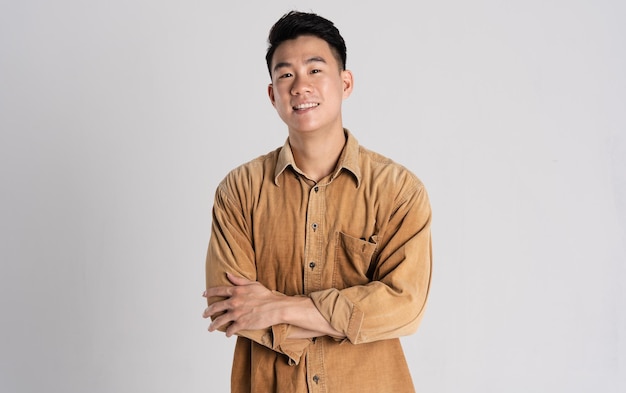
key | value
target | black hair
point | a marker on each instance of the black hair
(295, 24)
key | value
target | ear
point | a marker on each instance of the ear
(270, 93)
(348, 83)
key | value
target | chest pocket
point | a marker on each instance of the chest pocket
(353, 259)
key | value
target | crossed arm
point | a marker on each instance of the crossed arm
(248, 305)
(389, 306)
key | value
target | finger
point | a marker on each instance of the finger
(216, 308)
(232, 329)
(238, 280)
(223, 291)
(208, 312)
(220, 321)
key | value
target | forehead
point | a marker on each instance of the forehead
(302, 48)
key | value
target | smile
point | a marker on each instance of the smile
(306, 105)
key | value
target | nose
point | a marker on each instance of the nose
(301, 85)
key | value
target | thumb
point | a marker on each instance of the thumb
(237, 280)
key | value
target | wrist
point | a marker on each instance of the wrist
(291, 308)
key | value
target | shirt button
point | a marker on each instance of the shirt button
(312, 265)
(316, 188)
(316, 379)
(314, 226)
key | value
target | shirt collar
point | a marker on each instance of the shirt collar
(348, 160)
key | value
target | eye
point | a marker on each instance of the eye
(315, 71)
(286, 75)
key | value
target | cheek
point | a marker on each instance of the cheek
(282, 104)
(334, 93)
(334, 87)
(281, 98)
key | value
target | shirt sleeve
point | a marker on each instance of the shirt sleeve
(231, 251)
(392, 304)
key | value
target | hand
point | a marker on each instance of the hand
(248, 305)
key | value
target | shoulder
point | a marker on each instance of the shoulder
(377, 169)
(248, 176)
(393, 184)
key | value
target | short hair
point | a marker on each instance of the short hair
(295, 24)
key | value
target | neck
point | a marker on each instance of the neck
(317, 155)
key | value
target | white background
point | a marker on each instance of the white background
(119, 118)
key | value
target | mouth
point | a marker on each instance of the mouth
(305, 106)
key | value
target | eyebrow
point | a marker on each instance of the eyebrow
(314, 59)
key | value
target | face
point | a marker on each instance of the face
(308, 86)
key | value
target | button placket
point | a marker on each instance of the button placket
(314, 265)
(314, 247)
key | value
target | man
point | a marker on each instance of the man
(320, 252)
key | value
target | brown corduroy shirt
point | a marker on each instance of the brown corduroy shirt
(357, 243)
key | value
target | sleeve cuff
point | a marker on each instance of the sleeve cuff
(291, 347)
(340, 312)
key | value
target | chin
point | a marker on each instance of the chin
(305, 129)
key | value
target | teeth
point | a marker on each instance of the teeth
(305, 106)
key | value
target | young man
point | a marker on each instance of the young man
(320, 252)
